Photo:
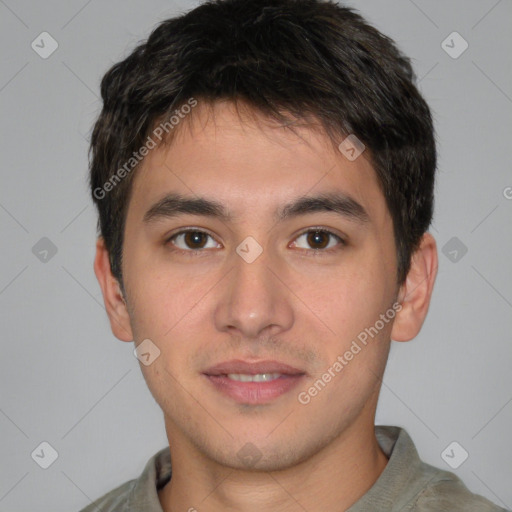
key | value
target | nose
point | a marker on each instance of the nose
(253, 301)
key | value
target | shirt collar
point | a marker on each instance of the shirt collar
(402, 478)
(156, 473)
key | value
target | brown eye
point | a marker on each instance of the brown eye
(192, 240)
(195, 239)
(318, 239)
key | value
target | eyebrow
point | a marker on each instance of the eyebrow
(173, 205)
(338, 203)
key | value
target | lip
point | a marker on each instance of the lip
(254, 392)
(239, 366)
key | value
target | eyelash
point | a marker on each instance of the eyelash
(315, 252)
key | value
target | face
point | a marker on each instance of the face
(274, 278)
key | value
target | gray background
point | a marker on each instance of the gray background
(66, 380)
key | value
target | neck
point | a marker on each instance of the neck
(333, 479)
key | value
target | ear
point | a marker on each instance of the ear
(115, 304)
(415, 293)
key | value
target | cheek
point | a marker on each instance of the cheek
(167, 311)
(352, 298)
(351, 308)
(163, 301)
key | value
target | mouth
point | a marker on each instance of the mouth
(253, 383)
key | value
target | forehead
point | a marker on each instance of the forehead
(252, 165)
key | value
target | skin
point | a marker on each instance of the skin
(294, 303)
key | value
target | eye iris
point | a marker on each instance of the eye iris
(315, 239)
(194, 238)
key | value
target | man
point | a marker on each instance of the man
(264, 174)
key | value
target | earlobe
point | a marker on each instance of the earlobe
(115, 304)
(416, 292)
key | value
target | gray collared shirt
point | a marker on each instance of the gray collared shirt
(406, 485)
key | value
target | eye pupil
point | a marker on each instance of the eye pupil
(315, 239)
(194, 239)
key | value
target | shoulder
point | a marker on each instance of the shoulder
(411, 485)
(140, 493)
(115, 500)
(446, 492)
